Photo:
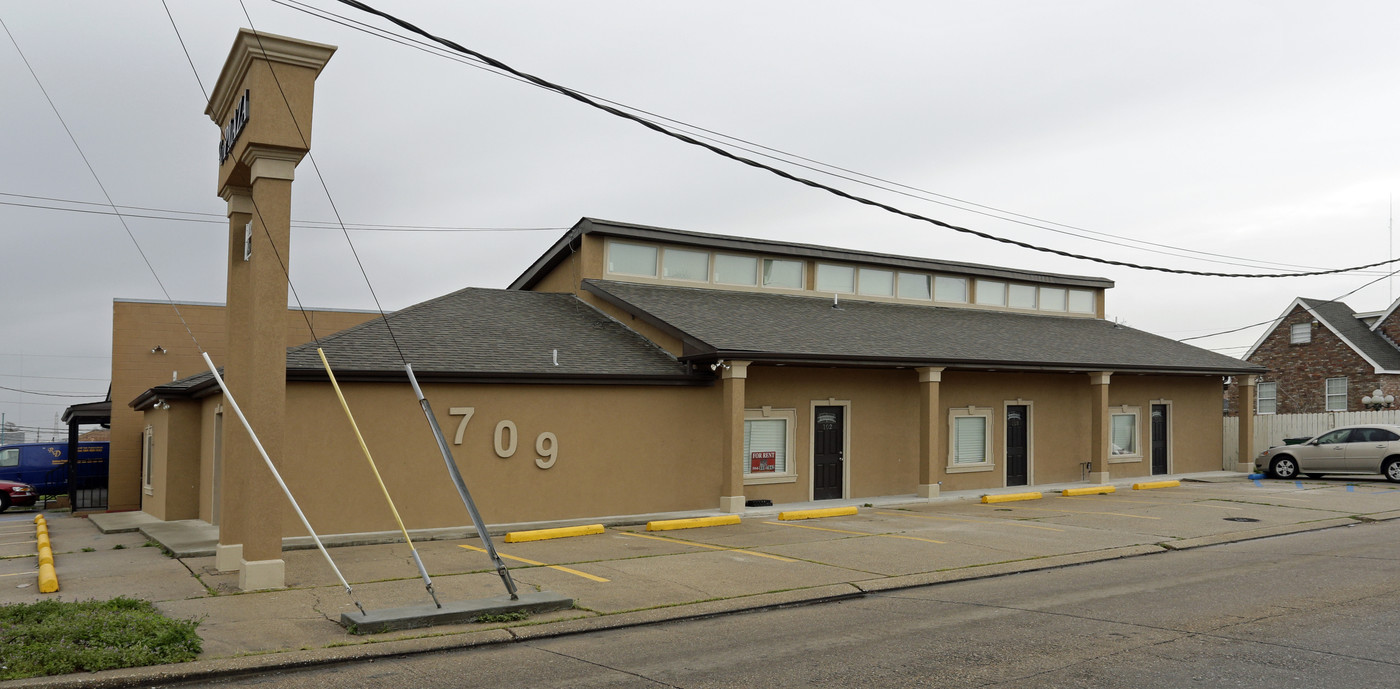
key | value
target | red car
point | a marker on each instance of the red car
(17, 494)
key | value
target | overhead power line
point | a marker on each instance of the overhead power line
(1275, 320)
(216, 219)
(817, 166)
(51, 394)
(580, 97)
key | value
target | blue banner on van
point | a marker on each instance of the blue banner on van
(45, 466)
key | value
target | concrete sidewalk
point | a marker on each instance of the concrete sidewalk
(627, 575)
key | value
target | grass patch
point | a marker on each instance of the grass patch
(502, 618)
(55, 637)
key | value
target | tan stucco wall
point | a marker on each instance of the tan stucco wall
(622, 450)
(137, 328)
(1197, 426)
(641, 449)
(175, 463)
(882, 422)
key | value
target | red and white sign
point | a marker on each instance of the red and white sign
(763, 461)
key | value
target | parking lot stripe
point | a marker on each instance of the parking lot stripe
(996, 522)
(858, 533)
(1135, 501)
(15, 574)
(18, 542)
(1111, 514)
(575, 572)
(779, 558)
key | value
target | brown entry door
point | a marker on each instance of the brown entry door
(828, 442)
(1016, 436)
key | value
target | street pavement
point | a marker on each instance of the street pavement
(628, 576)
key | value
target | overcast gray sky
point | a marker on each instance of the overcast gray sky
(1258, 130)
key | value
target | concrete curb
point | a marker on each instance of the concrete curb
(1255, 534)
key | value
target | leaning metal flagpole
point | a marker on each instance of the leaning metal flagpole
(228, 396)
(461, 485)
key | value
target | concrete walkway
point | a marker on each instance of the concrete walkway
(627, 575)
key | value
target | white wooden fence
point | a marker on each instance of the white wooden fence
(1271, 429)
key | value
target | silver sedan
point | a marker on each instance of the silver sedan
(1369, 449)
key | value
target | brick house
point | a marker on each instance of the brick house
(1324, 356)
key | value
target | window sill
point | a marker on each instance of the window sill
(1124, 459)
(967, 468)
(752, 480)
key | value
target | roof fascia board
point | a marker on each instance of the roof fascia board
(550, 258)
(397, 376)
(966, 364)
(1385, 314)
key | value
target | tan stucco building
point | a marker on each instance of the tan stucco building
(636, 369)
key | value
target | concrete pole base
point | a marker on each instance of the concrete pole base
(228, 558)
(1246, 467)
(262, 574)
(731, 503)
(929, 491)
(1098, 477)
(464, 612)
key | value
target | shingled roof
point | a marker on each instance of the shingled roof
(1342, 320)
(478, 334)
(777, 327)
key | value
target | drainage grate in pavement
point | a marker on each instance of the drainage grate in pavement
(1241, 519)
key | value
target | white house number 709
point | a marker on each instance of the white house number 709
(546, 445)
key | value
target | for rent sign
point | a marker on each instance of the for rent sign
(763, 461)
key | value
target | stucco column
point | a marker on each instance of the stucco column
(1246, 390)
(228, 554)
(262, 103)
(930, 423)
(1099, 441)
(732, 379)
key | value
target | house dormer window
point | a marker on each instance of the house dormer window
(1300, 333)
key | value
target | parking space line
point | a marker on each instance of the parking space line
(1005, 522)
(1111, 514)
(858, 533)
(1155, 502)
(585, 575)
(770, 556)
(18, 543)
(16, 574)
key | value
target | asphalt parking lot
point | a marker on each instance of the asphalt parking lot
(628, 575)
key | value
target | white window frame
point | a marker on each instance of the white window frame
(801, 274)
(1328, 395)
(989, 448)
(790, 473)
(1018, 287)
(148, 459)
(835, 266)
(1136, 413)
(1272, 397)
(939, 296)
(655, 269)
(1297, 336)
(982, 288)
(866, 276)
(709, 264)
(1093, 307)
(715, 258)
